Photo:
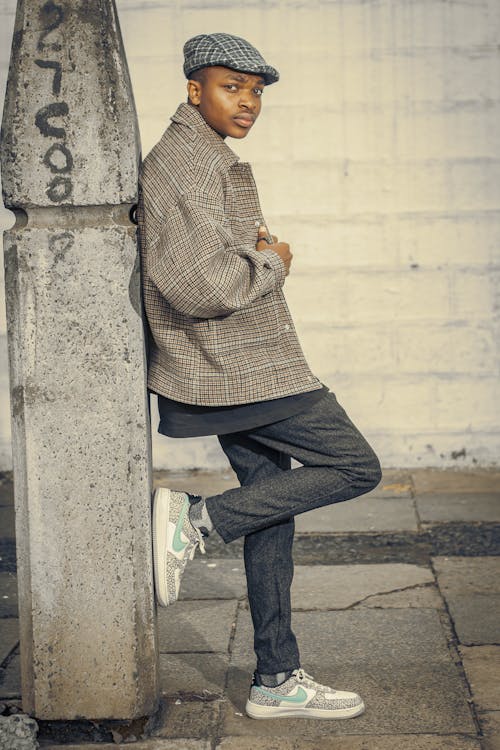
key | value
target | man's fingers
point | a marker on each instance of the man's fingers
(267, 243)
(263, 234)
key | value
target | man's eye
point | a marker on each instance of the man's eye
(231, 86)
(258, 92)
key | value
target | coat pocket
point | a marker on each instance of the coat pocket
(251, 327)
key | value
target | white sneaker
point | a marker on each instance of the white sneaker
(301, 696)
(175, 540)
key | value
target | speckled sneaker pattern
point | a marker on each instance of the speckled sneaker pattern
(175, 541)
(300, 695)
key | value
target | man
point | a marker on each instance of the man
(225, 360)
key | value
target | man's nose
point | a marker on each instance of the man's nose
(246, 100)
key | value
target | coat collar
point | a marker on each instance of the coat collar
(187, 114)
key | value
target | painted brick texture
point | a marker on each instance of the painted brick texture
(377, 157)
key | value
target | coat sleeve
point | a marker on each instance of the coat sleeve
(198, 268)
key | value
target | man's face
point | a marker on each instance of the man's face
(228, 101)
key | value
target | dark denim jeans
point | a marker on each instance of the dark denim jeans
(337, 464)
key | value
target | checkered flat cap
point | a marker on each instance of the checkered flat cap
(206, 50)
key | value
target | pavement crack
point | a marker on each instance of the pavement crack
(453, 642)
(219, 728)
(428, 584)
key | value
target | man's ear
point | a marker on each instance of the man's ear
(194, 92)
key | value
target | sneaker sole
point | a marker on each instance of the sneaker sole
(256, 711)
(161, 508)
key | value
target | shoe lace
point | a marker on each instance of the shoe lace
(200, 540)
(301, 675)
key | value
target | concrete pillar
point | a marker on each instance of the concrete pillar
(80, 424)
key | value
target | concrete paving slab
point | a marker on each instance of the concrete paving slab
(6, 488)
(465, 506)
(8, 595)
(392, 657)
(7, 522)
(342, 586)
(490, 727)
(213, 579)
(482, 667)
(349, 742)
(364, 513)
(491, 743)
(419, 597)
(198, 626)
(9, 636)
(447, 480)
(189, 719)
(468, 575)
(395, 483)
(150, 744)
(471, 588)
(476, 618)
(10, 679)
(195, 675)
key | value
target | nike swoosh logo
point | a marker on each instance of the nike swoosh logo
(299, 697)
(177, 544)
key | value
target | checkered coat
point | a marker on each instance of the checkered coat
(221, 332)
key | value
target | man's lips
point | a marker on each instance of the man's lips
(244, 120)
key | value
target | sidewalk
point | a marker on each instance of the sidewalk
(396, 595)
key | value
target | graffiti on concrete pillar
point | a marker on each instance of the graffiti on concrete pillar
(56, 65)
(51, 15)
(42, 117)
(58, 158)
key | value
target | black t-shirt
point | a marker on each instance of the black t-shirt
(189, 420)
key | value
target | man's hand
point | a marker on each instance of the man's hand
(281, 248)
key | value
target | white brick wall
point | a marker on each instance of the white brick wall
(378, 158)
